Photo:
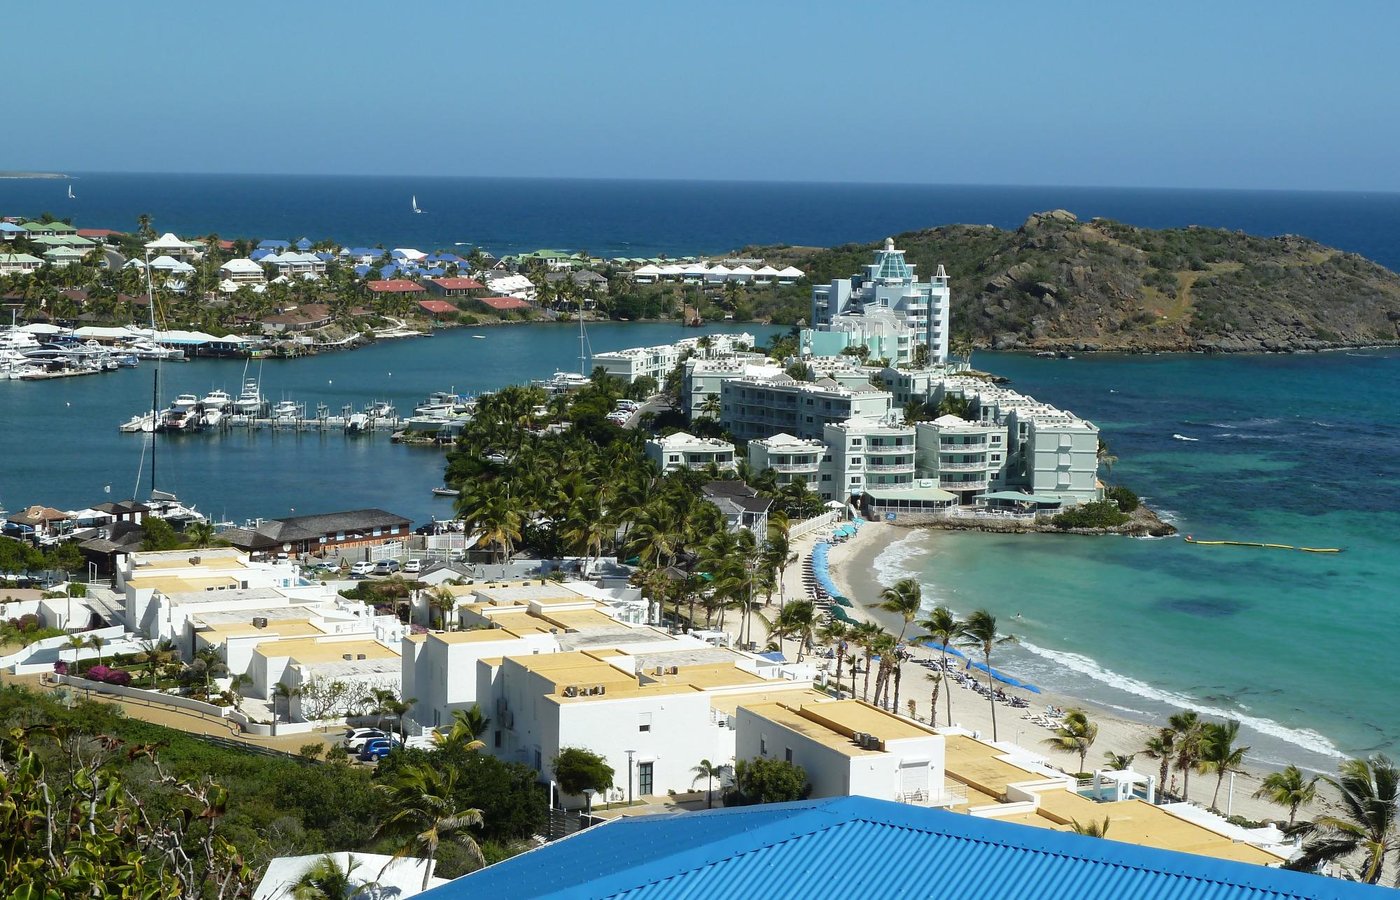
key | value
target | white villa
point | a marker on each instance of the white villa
(686, 451)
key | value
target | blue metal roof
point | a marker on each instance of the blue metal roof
(273, 245)
(860, 847)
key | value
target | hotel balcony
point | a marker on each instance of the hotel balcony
(962, 466)
(891, 467)
(955, 486)
(965, 447)
(809, 467)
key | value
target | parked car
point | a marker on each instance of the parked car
(361, 569)
(375, 750)
(386, 567)
(413, 567)
(356, 738)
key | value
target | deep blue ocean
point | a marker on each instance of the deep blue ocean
(1290, 449)
(644, 218)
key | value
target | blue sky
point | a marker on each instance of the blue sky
(1182, 94)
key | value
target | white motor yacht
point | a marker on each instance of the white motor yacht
(217, 399)
(250, 400)
(185, 402)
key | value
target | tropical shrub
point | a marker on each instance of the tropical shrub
(1127, 500)
(1098, 514)
(577, 769)
(764, 780)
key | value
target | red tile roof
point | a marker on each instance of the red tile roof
(99, 233)
(458, 284)
(396, 286)
(437, 307)
(503, 303)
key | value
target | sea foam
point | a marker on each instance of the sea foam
(1301, 737)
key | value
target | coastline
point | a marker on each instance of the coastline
(854, 570)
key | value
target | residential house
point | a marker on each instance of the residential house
(741, 505)
(686, 451)
(18, 263)
(322, 533)
(455, 287)
(395, 287)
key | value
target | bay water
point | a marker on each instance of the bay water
(1290, 449)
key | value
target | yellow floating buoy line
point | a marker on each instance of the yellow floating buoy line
(1192, 540)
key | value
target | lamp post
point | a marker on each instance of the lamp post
(629, 776)
(588, 801)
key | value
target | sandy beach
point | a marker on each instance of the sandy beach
(853, 570)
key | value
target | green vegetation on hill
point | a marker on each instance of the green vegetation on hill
(1058, 283)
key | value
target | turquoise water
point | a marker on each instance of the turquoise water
(59, 444)
(1296, 450)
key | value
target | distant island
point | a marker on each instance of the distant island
(1059, 284)
(49, 175)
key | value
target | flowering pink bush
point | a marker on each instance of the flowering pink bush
(108, 675)
(97, 673)
(60, 667)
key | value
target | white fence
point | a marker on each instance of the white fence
(807, 526)
(155, 698)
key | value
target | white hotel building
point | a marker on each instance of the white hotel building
(889, 284)
(657, 362)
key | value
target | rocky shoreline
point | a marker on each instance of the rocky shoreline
(1226, 344)
(1144, 522)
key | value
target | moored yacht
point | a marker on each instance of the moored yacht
(217, 399)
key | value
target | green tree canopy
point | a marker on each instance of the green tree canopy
(577, 770)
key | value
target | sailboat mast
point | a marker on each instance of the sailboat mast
(155, 372)
(582, 340)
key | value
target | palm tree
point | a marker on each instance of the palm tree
(1370, 790)
(865, 635)
(1075, 734)
(425, 812)
(468, 725)
(709, 771)
(947, 629)
(1090, 828)
(1162, 747)
(1188, 728)
(200, 534)
(385, 702)
(937, 679)
(1219, 753)
(442, 602)
(237, 686)
(97, 644)
(903, 598)
(281, 691)
(980, 632)
(777, 549)
(326, 880)
(797, 620)
(1119, 762)
(1288, 788)
(834, 633)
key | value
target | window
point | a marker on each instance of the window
(762, 745)
(644, 778)
(644, 722)
(787, 754)
(826, 476)
(498, 738)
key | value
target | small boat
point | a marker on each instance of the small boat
(446, 492)
(1191, 540)
(185, 402)
(478, 337)
(1182, 437)
(286, 409)
(415, 204)
(70, 193)
(357, 423)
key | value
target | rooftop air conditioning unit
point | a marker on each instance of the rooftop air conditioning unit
(602, 689)
(859, 738)
(660, 670)
(194, 560)
(260, 621)
(359, 656)
(674, 670)
(347, 656)
(571, 691)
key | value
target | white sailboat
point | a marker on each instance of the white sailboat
(70, 193)
(415, 204)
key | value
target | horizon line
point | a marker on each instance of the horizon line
(78, 173)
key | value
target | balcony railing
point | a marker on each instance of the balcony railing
(891, 467)
(796, 467)
(961, 466)
(946, 447)
(979, 485)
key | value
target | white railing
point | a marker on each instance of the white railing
(796, 467)
(963, 485)
(891, 467)
(807, 526)
(962, 448)
(962, 466)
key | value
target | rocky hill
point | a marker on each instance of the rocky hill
(1057, 283)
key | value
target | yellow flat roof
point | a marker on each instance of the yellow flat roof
(579, 619)
(577, 668)
(522, 623)
(624, 690)
(474, 636)
(856, 715)
(779, 713)
(974, 764)
(183, 560)
(729, 703)
(310, 650)
(178, 584)
(275, 629)
(706, 675)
